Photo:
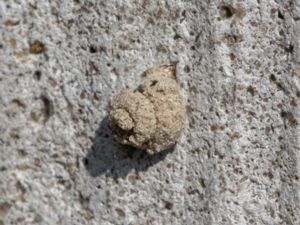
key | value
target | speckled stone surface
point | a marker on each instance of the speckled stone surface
(237, 161)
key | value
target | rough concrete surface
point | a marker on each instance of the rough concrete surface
(237, 161)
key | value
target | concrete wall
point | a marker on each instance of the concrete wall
(238, 64)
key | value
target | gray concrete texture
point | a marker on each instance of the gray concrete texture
(237, 160)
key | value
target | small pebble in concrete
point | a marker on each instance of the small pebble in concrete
(36, 47)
